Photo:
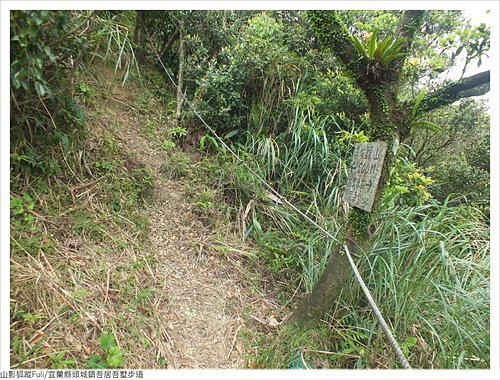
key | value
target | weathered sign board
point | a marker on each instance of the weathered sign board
(364, 174)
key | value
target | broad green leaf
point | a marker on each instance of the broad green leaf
(40, 89)
(115, 357)
(49, 53)
(257, 225)
(359, 46)
(107, 341)
(16, 205)
(392, 51)
(418, 100)
(410, 342)
(425, 124)
(249, 230)
(457, 52)
(231, 134)
(202, 141)
(381, 48)
(96, 362)
(372, 44)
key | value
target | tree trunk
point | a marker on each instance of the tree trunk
(380, 91)
(357, 236)
(180, 80)
(173, 37)
(139, 37)
(317, 303)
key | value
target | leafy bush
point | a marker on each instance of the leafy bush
(408, 184)
(258, 69)
(111, 357)
(468, 174)
(49, 49)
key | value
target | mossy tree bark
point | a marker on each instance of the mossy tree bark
(389, 123)
(478, 84)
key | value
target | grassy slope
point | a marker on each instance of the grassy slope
(79, 249)
(69, 233)
(84, 268)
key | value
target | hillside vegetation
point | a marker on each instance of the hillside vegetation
(155, 155)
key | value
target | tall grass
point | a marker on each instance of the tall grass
(112, 40)
(428, 270)
(428, 267)
(309, 169)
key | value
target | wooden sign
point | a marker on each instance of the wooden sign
(364, 174)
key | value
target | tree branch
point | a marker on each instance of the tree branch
(476, 91)
(472, 86)
(333, 34)
(173, 37)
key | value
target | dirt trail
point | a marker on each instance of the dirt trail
(206, 301)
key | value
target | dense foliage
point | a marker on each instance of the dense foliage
(289, 108)
(302, 112)
(49, 51)
(69, 181)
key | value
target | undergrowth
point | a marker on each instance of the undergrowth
(428, 266)
(67, 232)
(76, 202)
